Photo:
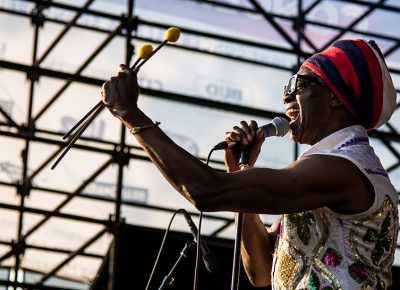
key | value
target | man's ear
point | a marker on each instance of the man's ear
(334, 101)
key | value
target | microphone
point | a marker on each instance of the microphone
(209, 259)
(278, 127)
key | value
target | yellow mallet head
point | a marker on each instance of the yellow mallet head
(172, 34)
(145, 50)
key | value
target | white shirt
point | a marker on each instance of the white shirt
(321, 249)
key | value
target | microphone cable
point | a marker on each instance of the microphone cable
(196, 273)
(161, 247)
(196, 268)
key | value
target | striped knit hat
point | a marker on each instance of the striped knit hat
(355, 71)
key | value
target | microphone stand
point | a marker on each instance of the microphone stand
(236, 253)
(168, 279)
(244, 161)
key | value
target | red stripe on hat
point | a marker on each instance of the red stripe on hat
(344, 67)
(313, 68)
(376, 76)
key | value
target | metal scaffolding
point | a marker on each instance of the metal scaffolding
(120, 153)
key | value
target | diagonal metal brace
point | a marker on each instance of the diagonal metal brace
(351, 26)
(278, 28)
(111, 36)
(79, 251)
(62, 204)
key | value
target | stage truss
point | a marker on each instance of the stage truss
(131, 27)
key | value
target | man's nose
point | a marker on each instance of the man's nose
(288, 98)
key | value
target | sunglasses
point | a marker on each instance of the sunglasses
(291, 86)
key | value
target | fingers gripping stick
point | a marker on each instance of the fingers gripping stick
(144, 54)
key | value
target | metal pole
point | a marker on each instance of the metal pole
(122, 160)
(299, 28)
(23, 189)
(236, 253)
(169, 280)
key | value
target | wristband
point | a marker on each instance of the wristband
(137, 130)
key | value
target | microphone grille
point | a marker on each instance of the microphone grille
(281, 125)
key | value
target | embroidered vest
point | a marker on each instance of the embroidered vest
(321, 249)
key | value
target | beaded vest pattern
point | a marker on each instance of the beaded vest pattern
(321, 249)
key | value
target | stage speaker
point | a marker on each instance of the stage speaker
(132, 255)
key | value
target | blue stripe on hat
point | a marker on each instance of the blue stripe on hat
(365, 105)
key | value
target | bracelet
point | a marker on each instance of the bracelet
(137, 130)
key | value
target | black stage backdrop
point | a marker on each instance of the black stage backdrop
(136, 250)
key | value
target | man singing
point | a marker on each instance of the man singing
(339, 223)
